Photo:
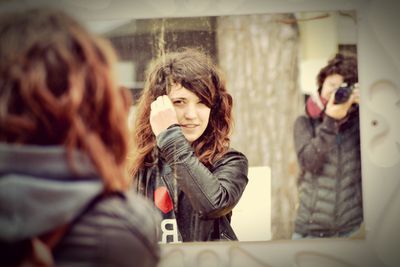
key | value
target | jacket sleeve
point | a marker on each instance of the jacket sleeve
(311, 149)
(212, 194)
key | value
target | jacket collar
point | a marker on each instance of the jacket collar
(38, 190)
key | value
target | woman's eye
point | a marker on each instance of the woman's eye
(178, 102)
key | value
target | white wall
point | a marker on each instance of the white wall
(251, 218)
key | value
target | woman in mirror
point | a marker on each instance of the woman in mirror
(64, 189)
(327, 143)
(182, 159)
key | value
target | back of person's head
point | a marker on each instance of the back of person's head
(342, 64)
(195, 71)
(57, 88)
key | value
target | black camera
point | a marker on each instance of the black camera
(343, 94)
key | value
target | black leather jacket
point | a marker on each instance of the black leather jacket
(203, 198)
(40, 193)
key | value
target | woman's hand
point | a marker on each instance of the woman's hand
(356, 94)
(162, 114)
(339, 111)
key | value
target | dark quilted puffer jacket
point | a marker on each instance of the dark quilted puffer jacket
(330, 192)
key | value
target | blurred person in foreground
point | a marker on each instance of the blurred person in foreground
(64, 189)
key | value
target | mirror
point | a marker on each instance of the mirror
(270, 61)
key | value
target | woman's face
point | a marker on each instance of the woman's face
(192, 114)
(331, 83)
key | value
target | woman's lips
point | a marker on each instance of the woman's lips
(189, 126)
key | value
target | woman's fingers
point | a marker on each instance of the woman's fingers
(162, 114)
(339, 111)
(167, 102)
(356, 95)
(161, 103)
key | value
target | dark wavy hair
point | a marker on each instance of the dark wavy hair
(344, 65)
(195, 71)
(57, 88)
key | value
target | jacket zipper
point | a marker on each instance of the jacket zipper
(224, 235)
(338, 178)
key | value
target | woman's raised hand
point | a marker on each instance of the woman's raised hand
(339, 111)
(162, 114)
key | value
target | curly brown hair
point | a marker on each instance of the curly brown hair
(344, 65)
(195, 71)
(57, 88)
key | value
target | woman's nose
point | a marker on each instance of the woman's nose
(190, 112)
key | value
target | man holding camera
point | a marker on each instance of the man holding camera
(327, 142)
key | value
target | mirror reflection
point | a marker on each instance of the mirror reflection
(271, 64)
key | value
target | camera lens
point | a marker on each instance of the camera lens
(342, 94)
